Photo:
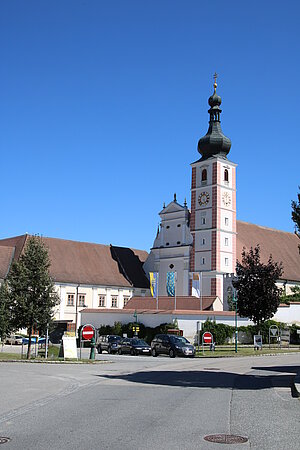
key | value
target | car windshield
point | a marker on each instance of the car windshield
(139, 342)
(114, 338)
(179, 340)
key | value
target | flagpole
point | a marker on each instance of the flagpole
(175, 284)
(157, 281)
(201, 299)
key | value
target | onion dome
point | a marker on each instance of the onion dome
(214, 142)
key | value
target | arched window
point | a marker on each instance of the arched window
(226, 175)
(204, 175)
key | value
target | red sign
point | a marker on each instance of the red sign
(207, 337)
(87, 332)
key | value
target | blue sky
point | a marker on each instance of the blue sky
(102, 104)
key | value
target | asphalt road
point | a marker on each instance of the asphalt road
(150, 403)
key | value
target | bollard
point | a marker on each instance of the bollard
(93, 345)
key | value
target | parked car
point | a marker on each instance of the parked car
(169, 344)
(134, 346)
(14, 339)
(108, 343)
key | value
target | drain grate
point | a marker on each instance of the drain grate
(225, 439)
(4, 440)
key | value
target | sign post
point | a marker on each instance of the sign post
(86, 334)
(207, 339)
(257, 342)
(273, 334)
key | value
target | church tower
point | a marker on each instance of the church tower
(213, 205)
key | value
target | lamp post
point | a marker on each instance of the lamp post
(234, 300)
(136, 321)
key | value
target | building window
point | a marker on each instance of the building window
(204, 176)
(179, 225)
(125, 300)
(203, 241)
(114, 301)
(226, 176)
(203, 220)
(202, 261)
(167, 243)
(168, 226)
(178, 242)
(81, 300)
(226, 221)
(70, 300)
(226, 242)
(101, 303)
(226, 261)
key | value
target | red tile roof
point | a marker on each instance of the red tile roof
(168, 303)
(86, 263)
(6, 257)
(283, 246)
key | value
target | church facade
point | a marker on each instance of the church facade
(207, 239)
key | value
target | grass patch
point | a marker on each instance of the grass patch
(242, 351)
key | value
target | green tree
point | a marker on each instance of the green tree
(257, 293)
(296, 213)
(31, 289)
(294, 297)
(6, 325)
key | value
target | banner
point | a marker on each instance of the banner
(154, 284)
(171, 279)
(196, 285)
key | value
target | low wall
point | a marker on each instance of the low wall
(186, 322)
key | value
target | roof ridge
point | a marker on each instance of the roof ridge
(264, 227)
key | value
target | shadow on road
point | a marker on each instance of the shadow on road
(214, 379)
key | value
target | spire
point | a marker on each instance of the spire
(175, 200)
(214, 142)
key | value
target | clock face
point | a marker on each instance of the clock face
(203, 198)
(226, 199)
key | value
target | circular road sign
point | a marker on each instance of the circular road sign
(207, 338)
(87, 332)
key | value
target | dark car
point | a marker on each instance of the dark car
(134, 346)
(169, 344)
(108, 343)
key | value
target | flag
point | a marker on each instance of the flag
(171, 279)
(154, 283)
(196, 285)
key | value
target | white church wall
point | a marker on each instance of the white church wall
(288, 313)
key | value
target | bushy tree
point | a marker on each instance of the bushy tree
(31, 289)
(6, 325)
(257, 294)
(296, 213)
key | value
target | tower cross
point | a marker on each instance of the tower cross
(215, 80)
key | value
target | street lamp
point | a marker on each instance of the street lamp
(235, 300)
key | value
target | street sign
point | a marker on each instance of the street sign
(207, 337)
(87, 332)
(298, 331)
(258, 342)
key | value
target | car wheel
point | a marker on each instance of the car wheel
(120, 351)
(99, 350)
(172, 353)
(154, 352)
(109, 350)
(132, 352)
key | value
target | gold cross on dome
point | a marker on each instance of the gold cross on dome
(215, 79)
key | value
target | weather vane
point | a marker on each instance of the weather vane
(215, 83)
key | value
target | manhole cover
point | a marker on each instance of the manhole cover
(225, 439)
(3, 440)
